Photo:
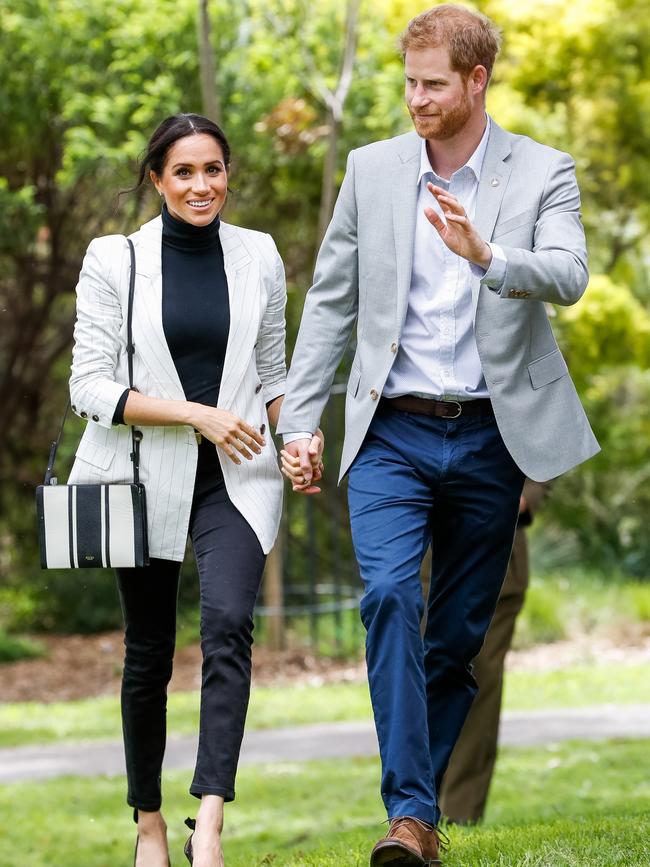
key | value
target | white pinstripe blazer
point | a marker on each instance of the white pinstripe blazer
(253, 374)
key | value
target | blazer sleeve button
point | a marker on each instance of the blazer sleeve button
(73, 407)
(83, 414)
(95, 418)
(374, 394)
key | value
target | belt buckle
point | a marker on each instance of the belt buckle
(460, 408)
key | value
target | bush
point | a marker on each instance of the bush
(15, 647)
(542, 620)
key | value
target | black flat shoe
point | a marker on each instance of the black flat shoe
(187, 849)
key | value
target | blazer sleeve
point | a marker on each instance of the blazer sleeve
(270, 351)
(328, 317)
(555, 270)
(94, 393)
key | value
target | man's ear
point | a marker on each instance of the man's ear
(478, 79)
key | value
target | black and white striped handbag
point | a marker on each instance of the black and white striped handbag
(90, 526)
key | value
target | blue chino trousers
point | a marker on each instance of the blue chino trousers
(452, 483)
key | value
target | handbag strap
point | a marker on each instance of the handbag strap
(136, 435)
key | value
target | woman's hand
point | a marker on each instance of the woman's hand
(302, 463)
(229, 432)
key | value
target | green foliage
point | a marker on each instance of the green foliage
(84, 84)
(569, 602)
(541, 621)
(15, 647)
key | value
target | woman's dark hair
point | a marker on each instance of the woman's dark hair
(169, 132)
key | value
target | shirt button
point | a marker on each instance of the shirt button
(374, 394)
(258, 388)
(263, 429)
(393, 347)
(95, 418)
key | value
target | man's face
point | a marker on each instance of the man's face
(437, 97)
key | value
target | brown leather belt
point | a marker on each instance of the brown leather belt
(439, 408)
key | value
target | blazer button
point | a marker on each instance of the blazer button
(374, 394)
(83, 414)
(263, 429)
(258, 388)
(393, 347)
(95, 418)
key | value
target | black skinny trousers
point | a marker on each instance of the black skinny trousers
(230, 562)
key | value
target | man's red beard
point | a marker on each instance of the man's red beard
(446, 123)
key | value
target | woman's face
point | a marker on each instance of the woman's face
(194, 181)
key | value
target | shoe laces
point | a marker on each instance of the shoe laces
(396, 821)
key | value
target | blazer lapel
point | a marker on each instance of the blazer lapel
(404, 197)
(242, 274)
(495, 174)
(148, 331)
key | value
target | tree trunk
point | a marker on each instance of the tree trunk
(328, 188)
(273, 596)
(206, 55)
(335, 102)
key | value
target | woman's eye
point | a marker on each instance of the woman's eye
(182, 173)
(214, 170)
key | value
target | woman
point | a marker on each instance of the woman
(209, 370)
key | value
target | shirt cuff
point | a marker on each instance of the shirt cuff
(300, 435)
(118, 415)
(495, 275)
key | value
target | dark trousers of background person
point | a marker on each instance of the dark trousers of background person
(466, 783)
(452, 483)
(467, 779)
(230, 562)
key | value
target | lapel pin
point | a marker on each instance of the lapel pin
(495, 182)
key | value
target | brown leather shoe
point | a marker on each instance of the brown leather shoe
(409, 843)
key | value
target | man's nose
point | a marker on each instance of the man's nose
(419, 96)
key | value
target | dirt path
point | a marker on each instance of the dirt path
(81, 666)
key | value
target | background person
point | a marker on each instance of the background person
(466, 782)
(444, 245)
(209, 370)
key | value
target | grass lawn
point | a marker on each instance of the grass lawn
(575, 805)
(31, 722)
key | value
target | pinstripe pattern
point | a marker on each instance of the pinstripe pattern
(254, 357)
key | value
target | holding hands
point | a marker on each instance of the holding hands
(456, 230)
(302, 463)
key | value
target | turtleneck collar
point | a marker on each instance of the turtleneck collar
(185, 236)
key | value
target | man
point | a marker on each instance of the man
(444, 245)
(467, 779)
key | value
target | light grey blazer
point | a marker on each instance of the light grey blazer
(253, 374)
(529, 203)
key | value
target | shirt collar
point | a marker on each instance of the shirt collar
(475, 162)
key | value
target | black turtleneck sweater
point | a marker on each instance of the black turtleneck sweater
(195, 308)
